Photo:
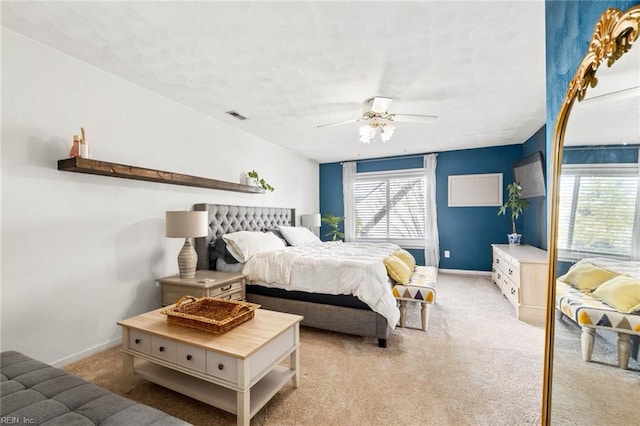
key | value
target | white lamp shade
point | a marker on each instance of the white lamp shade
(184, 224)
(311, 220)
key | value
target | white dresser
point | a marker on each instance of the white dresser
(521, 274)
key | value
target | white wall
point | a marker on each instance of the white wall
(80, 252)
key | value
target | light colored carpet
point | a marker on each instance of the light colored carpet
(596, 392)
(476, 365)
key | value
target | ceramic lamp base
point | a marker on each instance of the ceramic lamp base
(187, 260)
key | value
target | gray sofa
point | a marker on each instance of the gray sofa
(38, 394)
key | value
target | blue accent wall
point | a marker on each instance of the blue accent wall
(466, 232)
(534, 219)
(569, 26)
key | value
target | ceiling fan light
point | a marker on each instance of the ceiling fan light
(366, 133)
(386, 132)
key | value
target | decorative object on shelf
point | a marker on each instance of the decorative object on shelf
(75, 148)
(85, 149)
(334, 226)
(103, 168)
(259, 182)
(187, 225)
(517, 205)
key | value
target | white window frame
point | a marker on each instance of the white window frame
(417, 243)
(604, 169)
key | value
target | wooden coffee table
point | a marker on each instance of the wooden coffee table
(238, 371)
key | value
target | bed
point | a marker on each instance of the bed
(341, 313)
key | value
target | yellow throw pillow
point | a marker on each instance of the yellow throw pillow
(587, 277)
(407, 258)
(397, 270)
(621, 292)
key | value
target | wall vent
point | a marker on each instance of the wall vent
(236, 115)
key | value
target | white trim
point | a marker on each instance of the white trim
(609, 169)
(86, 353)
(418, 172)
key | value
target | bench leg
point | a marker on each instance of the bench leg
(586, 339)
(403, 312)
(425, 314)
(624, 349)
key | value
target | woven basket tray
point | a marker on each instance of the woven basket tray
(210, 313)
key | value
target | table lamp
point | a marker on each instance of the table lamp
(187, 225)
(311, 221)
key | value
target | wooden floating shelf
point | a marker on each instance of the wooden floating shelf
(103, 168)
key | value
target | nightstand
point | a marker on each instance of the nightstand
(229, 285)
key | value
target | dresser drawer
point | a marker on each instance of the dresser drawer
(163, 348)
(140, 341)
(191, 357)
(226, 290)
(222, 366)
(511, 290)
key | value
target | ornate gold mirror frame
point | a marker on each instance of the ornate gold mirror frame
(613, 36)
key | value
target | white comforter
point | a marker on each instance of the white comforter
(330, 268)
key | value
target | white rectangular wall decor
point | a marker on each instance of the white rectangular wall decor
(480, 190)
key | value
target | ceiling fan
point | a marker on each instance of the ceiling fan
(378, 121)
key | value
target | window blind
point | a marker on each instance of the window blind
(597, 210)
(390, 207)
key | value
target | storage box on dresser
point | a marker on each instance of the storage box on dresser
(520, 271)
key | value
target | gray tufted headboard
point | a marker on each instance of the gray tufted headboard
(224, 219)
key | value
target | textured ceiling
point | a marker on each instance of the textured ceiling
(290, 66)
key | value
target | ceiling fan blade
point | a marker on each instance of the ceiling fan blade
(414, 118)
(380, 104)
(339, 123)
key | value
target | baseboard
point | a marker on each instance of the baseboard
(86, 353)
(464, 272)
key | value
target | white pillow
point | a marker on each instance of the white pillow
(297, 236)
(244, 244)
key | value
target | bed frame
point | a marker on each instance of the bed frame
(225, 218)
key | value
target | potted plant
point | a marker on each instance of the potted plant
(334, 226)
(259, 182)
(517, 205)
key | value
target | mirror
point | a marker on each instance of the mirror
(592, 366)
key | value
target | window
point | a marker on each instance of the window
(390, 206)
(597, 210)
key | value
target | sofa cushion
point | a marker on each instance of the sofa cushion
(621, 292)
(397, 269)
(587, 310)
(49, 396)
(587, 277)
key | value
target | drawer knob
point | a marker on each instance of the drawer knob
(161, 348)
(513, 291)
(189, 357)
(220, 366)
(137, 341)
(498, 260)
(510, 271)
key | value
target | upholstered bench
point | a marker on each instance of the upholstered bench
(590, 314)
(36, 393)
(420, 288)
